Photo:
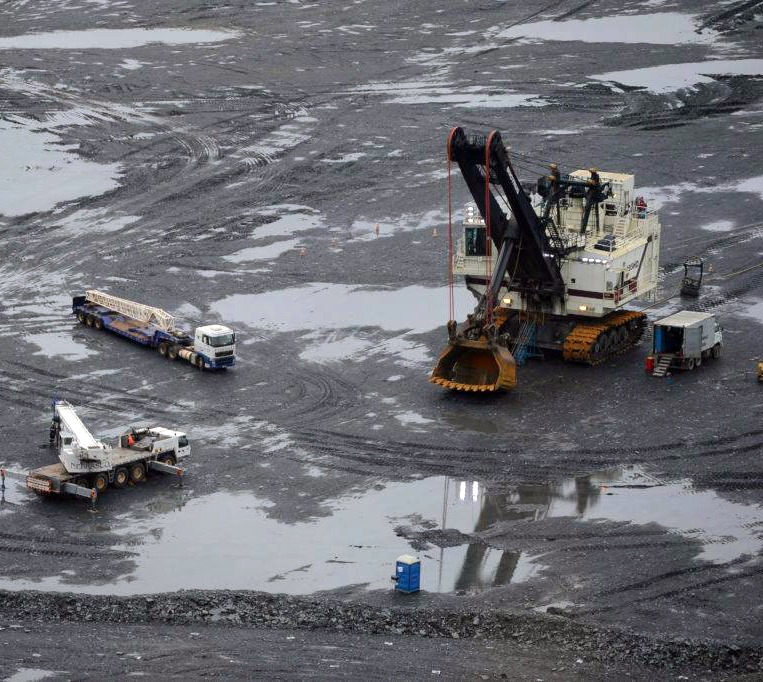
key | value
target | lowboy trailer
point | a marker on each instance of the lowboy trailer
(211, 347)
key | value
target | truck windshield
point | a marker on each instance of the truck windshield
(182, 441)
(225, 340)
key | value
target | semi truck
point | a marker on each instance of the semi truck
(682, 341)
(212, 346)
(87, 467)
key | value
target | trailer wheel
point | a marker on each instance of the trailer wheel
(121, 477)
(172, 353)
(716, 351)
(137, 473)
(89, 320)
(98, 323)
(168, 458)
(100, 482)
(81, 317)
(163, 348)
(690, 364)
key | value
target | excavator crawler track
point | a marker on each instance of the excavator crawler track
(592, 343)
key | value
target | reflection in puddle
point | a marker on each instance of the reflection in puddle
(232, 540)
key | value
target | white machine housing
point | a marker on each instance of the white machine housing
(613, 263)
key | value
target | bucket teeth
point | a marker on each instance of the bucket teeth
(475, 367)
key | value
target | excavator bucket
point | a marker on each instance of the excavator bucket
(475, 366)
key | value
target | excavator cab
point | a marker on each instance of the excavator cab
(479, 366)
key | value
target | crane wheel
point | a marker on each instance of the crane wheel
(168, 458)
(164, 349)
(199, 362)
(81, 317)
(98, 323)
(172, 353)
(596, 342)
(89, 320)
(137, 473)
(100, 482)
(121, 477)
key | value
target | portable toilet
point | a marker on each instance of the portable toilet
(407, 574)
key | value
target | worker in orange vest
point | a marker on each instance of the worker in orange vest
(130, 440)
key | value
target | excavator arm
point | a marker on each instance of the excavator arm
(524, 246)
(529, 251)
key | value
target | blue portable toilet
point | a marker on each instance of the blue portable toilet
(407, 574)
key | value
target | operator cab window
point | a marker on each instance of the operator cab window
(182, 441)
(474, 238)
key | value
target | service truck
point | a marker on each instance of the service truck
(87, 466)
(683, 340)
(212, 346)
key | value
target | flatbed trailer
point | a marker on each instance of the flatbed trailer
(211, 347)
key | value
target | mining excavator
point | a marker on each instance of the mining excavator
(569, 256)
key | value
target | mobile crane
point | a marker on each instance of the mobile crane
(88, 466)
(564, 269)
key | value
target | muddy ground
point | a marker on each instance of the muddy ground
(279, 167)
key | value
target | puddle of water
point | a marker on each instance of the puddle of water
(435, 91)
(269, 252)
(718, 226)
(94, 221)
(59, 344)
(356, 542)
(365, 229)
(296, 219)
(33, 675)
(346, 158)
(663, 28)
(344, 306)
(671, 77)
(112, 39)
(40, 172)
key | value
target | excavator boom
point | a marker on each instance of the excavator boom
(476, 358)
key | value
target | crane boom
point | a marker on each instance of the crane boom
(137, 311)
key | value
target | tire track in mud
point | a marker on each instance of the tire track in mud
(367, 456)
(689, 588)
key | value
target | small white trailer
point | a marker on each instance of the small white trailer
(88, 466)
(683, 340)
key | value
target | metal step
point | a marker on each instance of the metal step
(525, 346)
(663, 365)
